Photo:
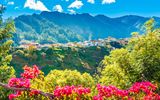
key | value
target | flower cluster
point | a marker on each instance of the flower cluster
(11, 96)
(67, 91)
(146, 87)
(19, 83)
(111, 91)
(30, 73)
(24, 81)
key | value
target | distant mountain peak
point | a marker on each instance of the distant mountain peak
(53, 27)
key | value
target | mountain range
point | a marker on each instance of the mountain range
(55, 27)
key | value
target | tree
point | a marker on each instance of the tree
(116, 69)
(139, 61)
(68, 77)
(6, 71)
(145, 52)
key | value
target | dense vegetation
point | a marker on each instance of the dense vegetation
(139, 61)
(6, 71)
(83, 59)
(128, 73)
(65, 86)
(38, 29)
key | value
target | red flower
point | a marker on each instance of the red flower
(70, 90)
(30, 73)
(34, 92)
(24, 82)
(12, 96)
(97, 98)
(146, 87)
(19, 83)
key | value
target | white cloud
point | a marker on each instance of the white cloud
(108, 1)
(91, 1)
(71, 11)
(58, 8)
(36, 5)
(10, 3)
(76, 4)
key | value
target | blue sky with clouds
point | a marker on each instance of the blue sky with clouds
(111, 8)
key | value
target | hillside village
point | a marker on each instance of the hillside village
(109, 42)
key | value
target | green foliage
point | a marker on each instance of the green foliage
(145, 53)
(6, 71)
(57, 78)
(140, 61)
(74, 58)
(68, 77)
(117, 69)
(37, 29)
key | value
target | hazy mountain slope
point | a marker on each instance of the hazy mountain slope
(37, 28)
(53, 27)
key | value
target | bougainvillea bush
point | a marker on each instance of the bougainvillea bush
(72, 92)
(24, 89)
(138, 91)
(24, 82)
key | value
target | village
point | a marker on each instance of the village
(100, 42)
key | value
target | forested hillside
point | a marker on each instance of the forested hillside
(83, 59)
(55, 27)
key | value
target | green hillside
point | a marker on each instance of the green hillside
(81, 59)
(55, 27)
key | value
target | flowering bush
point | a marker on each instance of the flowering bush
(109, 91)
(144, 90)
(72, 92)
(19, 83)
(139, 90)
(24, 81)
(146, 87)
(68, 78)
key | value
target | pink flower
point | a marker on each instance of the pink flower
(146, 87)
(70, 90)
(24, 82)
(30, 73)
(19, 83)
(12, 96)
(97, 98)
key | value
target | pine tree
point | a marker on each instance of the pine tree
(6, 71)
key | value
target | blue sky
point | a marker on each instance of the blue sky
(111, 8)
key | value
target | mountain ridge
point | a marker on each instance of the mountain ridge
(55, 27)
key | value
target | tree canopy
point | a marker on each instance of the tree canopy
(139, 61)
(6, 71)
